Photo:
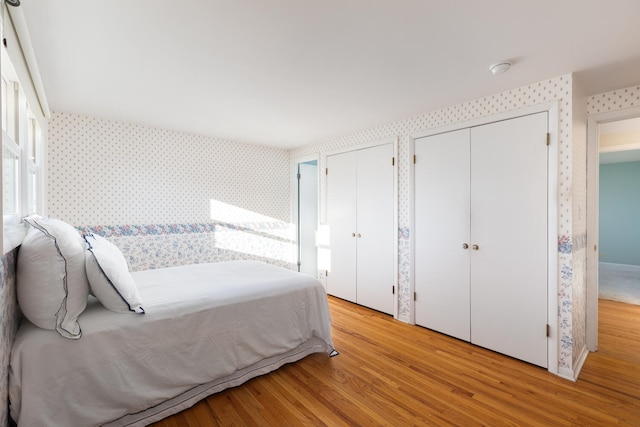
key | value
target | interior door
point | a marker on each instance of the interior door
(341, 216)
(442, 185)
(375, 228)
(509, 227)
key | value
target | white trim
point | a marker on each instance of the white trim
(553, 110)
(396, 224)
(411, 319)
(593, 162)
(362, 146)
(572, 374)
(553, 212)
(34, 88)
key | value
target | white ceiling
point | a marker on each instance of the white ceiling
(288, 73)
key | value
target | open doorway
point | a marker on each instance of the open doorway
(619, 211)
(306, 207)
(613, 212)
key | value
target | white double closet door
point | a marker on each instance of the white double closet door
(481, 235)
(360, 213)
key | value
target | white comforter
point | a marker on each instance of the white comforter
(202, 322)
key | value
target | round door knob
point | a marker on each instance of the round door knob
(475, 247)
(359, 235)
(353, 234)
(465, 246)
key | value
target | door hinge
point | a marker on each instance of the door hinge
(415, 296)
(326, 273)
(548, 138)
(414, 159)
(299, 263)
(548, 330)
(299, 176)
(595, 248)
(326, 171)
(393, 161)
(393, 290)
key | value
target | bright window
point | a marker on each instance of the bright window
(22, 144)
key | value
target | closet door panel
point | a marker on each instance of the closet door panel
(375, 228)
(509, 225)
(341, 216)
(441, 229)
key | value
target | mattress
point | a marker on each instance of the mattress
(206, 327)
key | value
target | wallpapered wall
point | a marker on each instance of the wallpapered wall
(153, 193)
(166, 197)
(579, 222)
(559, 88)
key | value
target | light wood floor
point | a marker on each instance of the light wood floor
(390, 373)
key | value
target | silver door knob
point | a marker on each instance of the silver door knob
(475, 247)
(359, 235)
(353, 234)
(465, 246)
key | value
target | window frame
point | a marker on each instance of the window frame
(24, 139)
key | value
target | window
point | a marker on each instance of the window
(22, 143)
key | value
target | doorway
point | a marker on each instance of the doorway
(306, 210)
(613, 261)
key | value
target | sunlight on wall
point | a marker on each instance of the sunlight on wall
(324, 247)
(247, 232)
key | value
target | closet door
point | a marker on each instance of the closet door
(509, 226)
(375, 228)
(341, 216)
(441, 232)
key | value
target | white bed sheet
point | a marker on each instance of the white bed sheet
(203, 322)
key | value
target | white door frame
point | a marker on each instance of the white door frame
(593, 177)
(293, 174)
(553, 109)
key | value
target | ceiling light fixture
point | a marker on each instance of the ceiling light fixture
(499, 68)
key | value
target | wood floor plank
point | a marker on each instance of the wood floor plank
(391, 373)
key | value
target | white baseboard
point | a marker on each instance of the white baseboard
(572, 374)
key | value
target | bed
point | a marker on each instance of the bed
(206, 327)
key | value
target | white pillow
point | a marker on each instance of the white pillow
(52, 285)
(109, 276)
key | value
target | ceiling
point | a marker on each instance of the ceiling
(288, 73)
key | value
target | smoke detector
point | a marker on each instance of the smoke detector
(500, 68)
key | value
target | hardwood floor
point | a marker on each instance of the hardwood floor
(390, 373)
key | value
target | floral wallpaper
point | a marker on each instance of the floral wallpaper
(165, 245)
(10, 317)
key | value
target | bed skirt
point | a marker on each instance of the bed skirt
(196, 394)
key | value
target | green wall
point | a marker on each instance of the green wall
(620, 213)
